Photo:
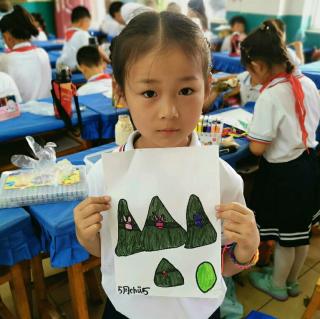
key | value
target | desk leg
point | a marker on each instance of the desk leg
(19, 292)
(93, 287)
(4, 311)
(78, 292)
(45, 308)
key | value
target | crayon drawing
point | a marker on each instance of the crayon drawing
(161, 226)
(166, 275)
(206, 276)
(200, 231)
(129, 233)
(160, 230)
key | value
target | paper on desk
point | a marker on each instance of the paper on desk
(39, 108)
(165, 236)
(238, 118)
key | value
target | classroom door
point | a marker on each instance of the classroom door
(63, 9)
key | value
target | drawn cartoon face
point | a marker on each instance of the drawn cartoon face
(159, 221)
(128, 223)
(198, 221)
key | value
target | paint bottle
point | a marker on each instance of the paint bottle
(123, 129)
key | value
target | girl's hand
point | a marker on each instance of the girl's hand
(88, 219)
(239, 225)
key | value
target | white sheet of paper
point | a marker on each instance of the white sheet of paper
(38, 108)
(172, 174)
(236, 118)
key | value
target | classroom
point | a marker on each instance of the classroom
(159, 159)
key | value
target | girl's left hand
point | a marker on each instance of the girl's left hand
(239, 225)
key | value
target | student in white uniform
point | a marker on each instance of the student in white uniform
(29, 66)
(197, 11)
(76, 37)
(113, 22)
(131, 9)
(283, 129)
(296, 55)
(8, 87)
(238, 26)
(41, 25)
(249, 89)
(164, 85)
(91, 64)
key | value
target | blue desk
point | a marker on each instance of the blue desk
(312, 71)
(32, 124)
(108, 114)
(49, 45)
(54, 56)
(221, 61)
(18, 240)
(100, 34)
(57, 224)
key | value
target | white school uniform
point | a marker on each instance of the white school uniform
(293, 57)
(226, 44)
(75, 39)
(40, 37)
(8, 87)
(111, 26)
(30, 68)
(275, 121)
(100, 83)
(248, 93)
(146, 307)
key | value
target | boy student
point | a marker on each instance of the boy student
(91, 64)
(76, 37)
(238, 25)
(113, 23)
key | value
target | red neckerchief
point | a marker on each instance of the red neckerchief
(69, 34)
(100, 77)
(299, 99)
(23, 49)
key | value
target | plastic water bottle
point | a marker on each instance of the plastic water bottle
(123, 129)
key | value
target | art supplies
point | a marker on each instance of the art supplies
(42, 180)
(8, 108)
(236, 117)
(209, 130)
(123, 129)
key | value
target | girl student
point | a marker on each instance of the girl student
(283, 130)
(28, 65)
(161, 69)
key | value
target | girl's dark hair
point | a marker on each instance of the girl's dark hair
(151, 30)
(266, 44)
(38, 17)
(197, 6)
(19, 23)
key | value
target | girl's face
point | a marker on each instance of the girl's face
(259, 72)
(165, 92)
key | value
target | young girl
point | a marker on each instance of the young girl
(29, 66)
(161, 69)
(8, 87)
(283, 129)
(42, 28)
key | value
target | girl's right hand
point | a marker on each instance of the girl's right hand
(87, 217)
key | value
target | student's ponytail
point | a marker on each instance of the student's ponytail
(19, 23)
(266, 44)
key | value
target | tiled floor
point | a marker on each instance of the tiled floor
(251, 298)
